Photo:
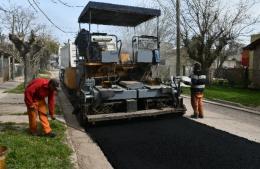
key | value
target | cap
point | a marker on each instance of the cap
(54, 83)
(197, 66)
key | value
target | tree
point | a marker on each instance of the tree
(20, 20)
(29, 48)
(26, 50)
(33, 51)
(233, 48)
(6, 48)
(50, 46)
(149, 28)
(208, 26)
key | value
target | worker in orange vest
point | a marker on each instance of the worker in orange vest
(34, 97)
(198, 81)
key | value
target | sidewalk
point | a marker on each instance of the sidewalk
(88, 153)
(10, 103)
(13, 109)
(231, 105)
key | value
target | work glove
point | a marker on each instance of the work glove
(32, 108)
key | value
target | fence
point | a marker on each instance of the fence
(4, 68)
(238, 77)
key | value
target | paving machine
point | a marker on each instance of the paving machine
(110, 84)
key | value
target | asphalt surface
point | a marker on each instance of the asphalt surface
(173, 143)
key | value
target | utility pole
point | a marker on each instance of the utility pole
(13, 60)
(178, 58)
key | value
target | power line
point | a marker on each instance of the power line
(54, 1)
(32, 6)
(4, 10)
(66, 4)
(46, 16)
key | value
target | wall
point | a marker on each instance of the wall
(4, 68)
(1, 68)
(256, 67)
(251, 55)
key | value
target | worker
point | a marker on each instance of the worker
(82, 42)
(198, 81)
(34, 97)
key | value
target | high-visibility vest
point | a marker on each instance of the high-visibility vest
(198, 83)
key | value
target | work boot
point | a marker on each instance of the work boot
(194, 116)
(50, 134)
(34, 134)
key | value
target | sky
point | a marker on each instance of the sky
(66, 17)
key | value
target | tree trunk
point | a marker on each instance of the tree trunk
(206, 71)
(26, 71)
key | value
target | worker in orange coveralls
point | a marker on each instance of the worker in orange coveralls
(34, 97)
(198, 81)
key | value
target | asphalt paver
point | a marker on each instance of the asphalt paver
(173, 143)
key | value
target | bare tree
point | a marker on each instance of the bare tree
(208, 26)
(26, 49)
(150, 28)
(22, 24)
(20, 20)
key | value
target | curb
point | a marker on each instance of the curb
(231, 105)
(73, 156)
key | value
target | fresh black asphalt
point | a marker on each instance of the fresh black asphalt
(173, 143)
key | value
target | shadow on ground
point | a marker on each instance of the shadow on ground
(167, 143)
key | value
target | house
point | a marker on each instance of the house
(168, 54)
(254, 61)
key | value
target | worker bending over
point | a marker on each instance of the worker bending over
(34, 97)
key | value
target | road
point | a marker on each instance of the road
(147, 144)
(166, 143)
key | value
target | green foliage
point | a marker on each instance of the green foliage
(44, 72)
(245, 97)
(58, 110)
(26, 151)
(18, 90)
(51, 46)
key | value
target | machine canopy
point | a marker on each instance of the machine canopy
(117, 15)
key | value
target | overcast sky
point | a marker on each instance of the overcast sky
(66, 17)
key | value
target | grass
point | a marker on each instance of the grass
(58, 110)
(17, 114)
(245, 97)
(34, 152)
(18, 90)
(44, 74)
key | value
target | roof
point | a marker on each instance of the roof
(118, 15)
(253, 45)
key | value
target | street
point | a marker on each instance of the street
(89, 155)
(172, 142)
(236, 122)
(110, 86)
